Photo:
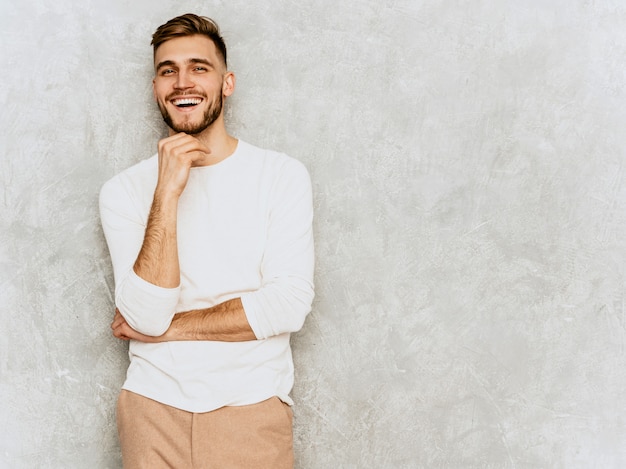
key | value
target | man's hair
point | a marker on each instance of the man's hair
(189, 25)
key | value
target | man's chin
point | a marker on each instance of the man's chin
(191, 128)
(188, 130)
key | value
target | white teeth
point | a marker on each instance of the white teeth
(186, 101)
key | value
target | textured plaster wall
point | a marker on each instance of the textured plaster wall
(468, 166)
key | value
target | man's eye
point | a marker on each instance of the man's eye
(200, 69)
(167, 71)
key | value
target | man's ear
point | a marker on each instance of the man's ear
(154, 90)
(228, 84)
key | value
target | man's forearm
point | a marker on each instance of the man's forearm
(225, 322)
(157, 261)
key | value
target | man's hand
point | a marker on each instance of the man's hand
(123, 331)
(177, 154)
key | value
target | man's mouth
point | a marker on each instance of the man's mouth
(186, 102)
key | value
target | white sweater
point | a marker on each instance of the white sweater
(244, 230)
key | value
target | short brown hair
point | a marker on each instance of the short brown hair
(188, 25)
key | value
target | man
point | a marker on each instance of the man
(212, 251)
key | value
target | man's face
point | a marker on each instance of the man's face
(189, 83)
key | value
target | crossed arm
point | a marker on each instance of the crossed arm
(157, 261)
(146, 266)
(225, 322)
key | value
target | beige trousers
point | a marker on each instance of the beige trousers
(154, 435)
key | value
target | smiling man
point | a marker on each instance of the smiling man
(212, 251)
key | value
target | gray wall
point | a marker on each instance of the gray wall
(468, 167)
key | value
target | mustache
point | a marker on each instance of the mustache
(179, 94)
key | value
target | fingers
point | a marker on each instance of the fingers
(117, 319)
(186, 145)
(120, 326)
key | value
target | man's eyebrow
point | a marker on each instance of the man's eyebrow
(200, 61)
(165, 63)
(195, 60)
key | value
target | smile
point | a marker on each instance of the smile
(186, 102)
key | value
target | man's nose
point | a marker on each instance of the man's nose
(183, 81)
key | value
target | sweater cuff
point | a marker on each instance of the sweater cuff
(250, 306)
(147, 308)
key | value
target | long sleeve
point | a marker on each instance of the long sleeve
(286, 294)
(148, 308)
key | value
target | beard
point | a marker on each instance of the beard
(210, 115)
